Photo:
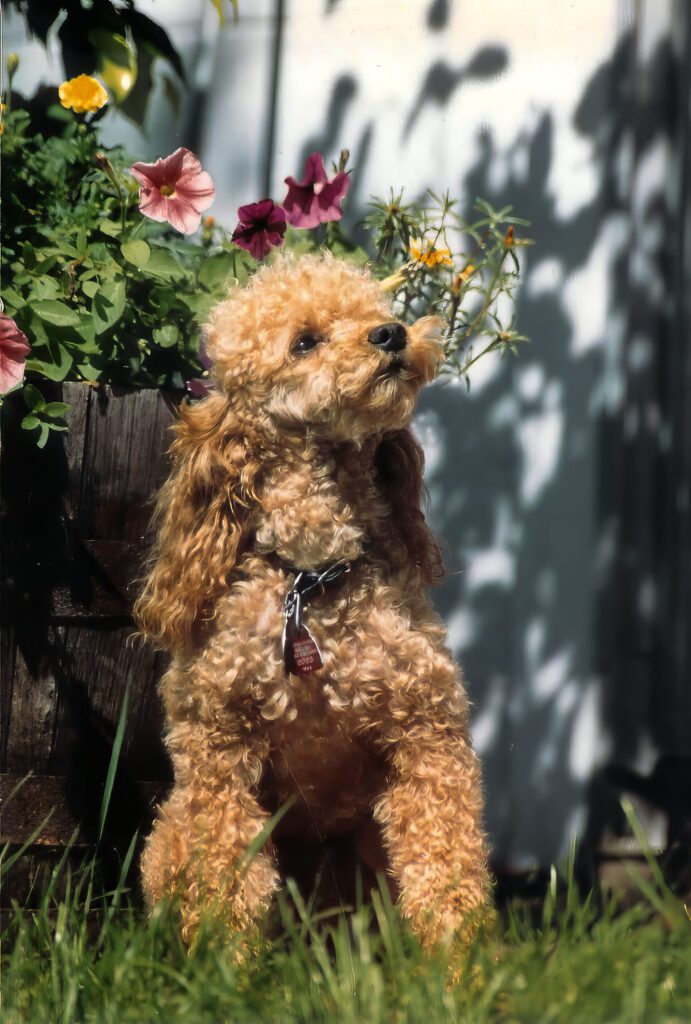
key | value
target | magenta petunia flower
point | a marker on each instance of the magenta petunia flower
(262, 226)
(315, 199)
(14, 348)
(176, 189)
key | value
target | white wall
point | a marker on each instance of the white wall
(517, 102)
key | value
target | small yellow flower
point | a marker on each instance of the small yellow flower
(425, 252)
(3, 108)
(83, 94)
(508, 237)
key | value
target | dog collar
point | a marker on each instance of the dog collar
(301, 656)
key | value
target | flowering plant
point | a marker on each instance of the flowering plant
(110, 270)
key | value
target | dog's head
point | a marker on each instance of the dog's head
(311, 343)
(308, 348)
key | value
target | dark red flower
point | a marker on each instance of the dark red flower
(262, 226)
(315, 199)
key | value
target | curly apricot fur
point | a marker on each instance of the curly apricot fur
(302, 460)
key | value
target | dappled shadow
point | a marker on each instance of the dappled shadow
(343, 93)
(442, 81)
(555, 502)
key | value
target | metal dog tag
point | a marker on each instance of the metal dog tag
(300, 652)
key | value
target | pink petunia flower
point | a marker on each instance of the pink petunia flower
(315, 199)
(175, 189)
(262, 226)
(14, 348)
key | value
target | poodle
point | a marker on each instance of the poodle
(288, 582)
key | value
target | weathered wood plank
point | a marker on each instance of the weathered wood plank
(75, 521)
(123, 464)
(40, 803)
(28, 737)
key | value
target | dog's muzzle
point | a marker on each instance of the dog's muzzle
(389, 337)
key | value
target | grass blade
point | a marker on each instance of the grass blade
(113, 766)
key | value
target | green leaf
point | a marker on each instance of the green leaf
(216, 269)
(166, 336)
(112, 228)
(98, 252)
(33, 398)
(45, 288)
(43, 436)
(12, 298)
(30, 422)
(28, 255)
(89, 372)
(108, 304)
(55, 409)
(136, 252)
(162, 264)
(53, 371)
(90, 288)
(57, 313)
(67, 249)
(201, 305)
(86, 329)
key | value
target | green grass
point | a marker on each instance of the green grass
(79, 957)
(82, 957)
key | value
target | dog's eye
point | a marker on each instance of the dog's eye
(305, 342)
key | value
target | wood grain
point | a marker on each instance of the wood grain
(75, 533)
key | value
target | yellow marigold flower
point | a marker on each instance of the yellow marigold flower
(83, 94)
(425, 252)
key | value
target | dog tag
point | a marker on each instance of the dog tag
(300, 652)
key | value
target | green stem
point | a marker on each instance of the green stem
(123, 208)
(471, 362)
(482, 313)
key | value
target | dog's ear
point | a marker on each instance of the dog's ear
(202, 518)
(400, 462)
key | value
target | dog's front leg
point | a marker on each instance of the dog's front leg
(431, 816)
(197, 851)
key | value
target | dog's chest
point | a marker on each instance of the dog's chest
(317, 756)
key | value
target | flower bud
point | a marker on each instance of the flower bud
(12, 64)
(393, 281)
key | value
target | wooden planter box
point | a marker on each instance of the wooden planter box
(74, 536)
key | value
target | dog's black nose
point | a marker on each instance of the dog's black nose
(389, 337)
